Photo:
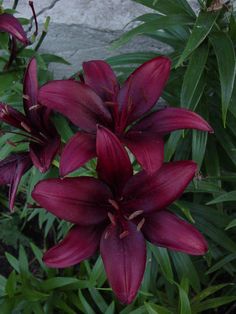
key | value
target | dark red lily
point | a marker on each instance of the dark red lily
(118, 211)
(11, 25)
(100, 100)
(12, 169)
(35, 125)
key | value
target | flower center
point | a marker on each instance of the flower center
(119, 216)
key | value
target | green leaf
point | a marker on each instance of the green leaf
(13, 261)
(227, 259)
(224, 51)
(162, 257)
(58, 282)
(213, 303)
(51, 58)
(199, 146)
(23, 261)
(202, 28)
(156, 309)
(111, 308)
(162, 22)
(232, 224)
(11, 284)
(88, 309)
(184, 303)
(227, 197)
(193, 75)
(209, 291)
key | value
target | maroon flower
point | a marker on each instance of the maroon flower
(37, 128)
(118, 210)
(10, 25)
(100, 100)
(12, 169)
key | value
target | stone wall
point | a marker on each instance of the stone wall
(81, 30)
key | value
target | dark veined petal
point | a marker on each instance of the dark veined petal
(79, 244)
(124, 259)
(80, 149)
(148, 149)
(157, 191)
(30, 95)
(100, 77)
(171, 119)
(82, 200)
(12, 169)
(43, 155)
(77, 101)
(9, 24)
(143, 88)
(114, 166)
(14, 117)
(168, 230)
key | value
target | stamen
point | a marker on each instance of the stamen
(25, 126)
(140, 224)
(114, 204)
(112, 218)
(106, 235)
(135, 214)
(110, 103)
(43, 135)
(26, 97)
(124, 234)
(34, 107)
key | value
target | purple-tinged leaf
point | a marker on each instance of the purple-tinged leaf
(77, 101)
(80, 149)
(82, 200)
(79, 244)
(168, 230)
(124, 259)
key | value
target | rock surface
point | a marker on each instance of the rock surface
(81, 30)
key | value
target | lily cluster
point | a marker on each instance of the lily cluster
(118, 210)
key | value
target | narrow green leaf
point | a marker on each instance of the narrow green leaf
(202, 28)
(184, 303)
(227, 259)
(13, 261)
(193, 74)
(209, 291)
(227, 197)
(58, 282)
(88, 309)
(224, 51)
(232, 224)
(156, 309)
(11, 284)
(213, 303)
(111, 308)
(199, 146)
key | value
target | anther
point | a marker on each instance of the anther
(114, 204)
(140, 224)
(34, 107)
(26, 97)
(112, 218)
(25, 126)
(135, 214)
(43, 135)
(124, 234)
(106, 235)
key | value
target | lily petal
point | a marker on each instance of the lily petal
(79, 244)
(172, 119)
(82, 200)
(14, 117)
(114, 166)
(11, 25)
(77, 101)
(143, 88)
(154, 192)
(12, 169)
(148, 148)
(43, 155)
(124, 260)
(30, 91)
(168, 230)
(100, 77)
(80, 149)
